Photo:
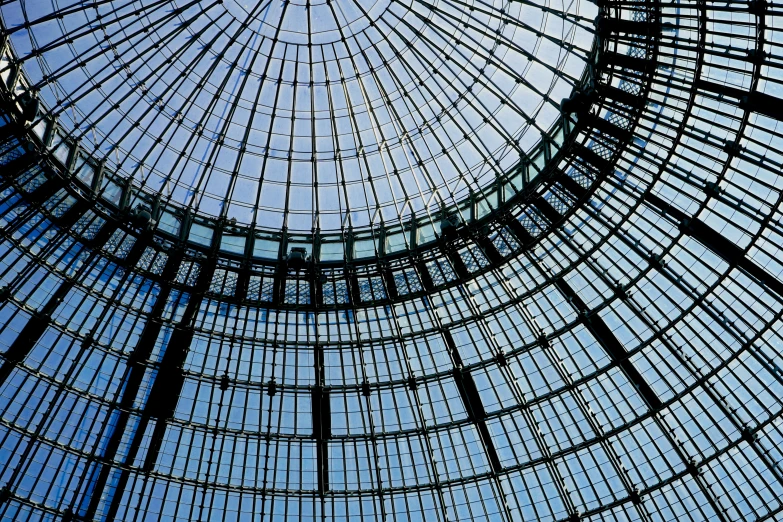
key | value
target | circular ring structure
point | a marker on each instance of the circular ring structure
(307, 116)
(594, 335)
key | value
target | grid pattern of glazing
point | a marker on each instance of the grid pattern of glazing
(305, 115)
(618, 362)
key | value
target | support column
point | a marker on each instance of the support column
(473, 405)
(611, 345)
(37, 324)
(717, 243)
(322, 421)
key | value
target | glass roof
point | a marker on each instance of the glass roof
(306, 115)
(608, 349)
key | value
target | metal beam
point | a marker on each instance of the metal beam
(165, 391)
(16, 166)
(32, 331)
(456, 261)
(570, 185)
(73, 214)
(243, 282)
(278, 284)
(36, 326)
(322, 421)
(753, 101)
(717, 243)
(489, 249)
(424, 275)
(243, 275)
(313, 285)
(46, 190)
(607, 25)
(625, 61)
(619, 95)
(11, 129)
(319, 278)
(388, 279)
(609, 342)
(611, 345)
(354, 292)
(548, 210)
(608, 128)
(130, 390)
(473, 405)
(523, 235)
(167, 387)
(593, 158)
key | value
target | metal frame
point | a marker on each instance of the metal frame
(608, 340)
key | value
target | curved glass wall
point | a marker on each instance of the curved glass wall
(604, 345)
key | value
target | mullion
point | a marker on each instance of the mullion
(524, 407)
(462, 96)
(340, 177)
(353, 118)
(194, 138)
(255, 110)
(67, 68)
(64, 39)
(375, 463)
(63, 387)
(45, 310)
(170, 87)
(44, 257)
(624, 218)
(59, 13)
(705, 487)
(313, 141)
(435, 320)
(228, 118)
(221, 136)
(434, 478)
(404, 91)
(483, 31)
(726, 362)
(289, 169)
(396, 120)
(421, 425)
(597, 429)
(171, 120)
(486, 11)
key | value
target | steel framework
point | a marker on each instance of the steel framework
(593, 332)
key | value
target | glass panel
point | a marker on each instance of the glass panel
(396, 242)
(111, 191)
(266, 248)
(363, 248)
(169, 223)
(332, 251)
(201, 234)
(233, 243)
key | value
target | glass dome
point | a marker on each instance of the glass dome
(306, 115)
(595, 335)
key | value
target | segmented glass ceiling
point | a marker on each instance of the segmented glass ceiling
(306, 115)
(607, 345)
